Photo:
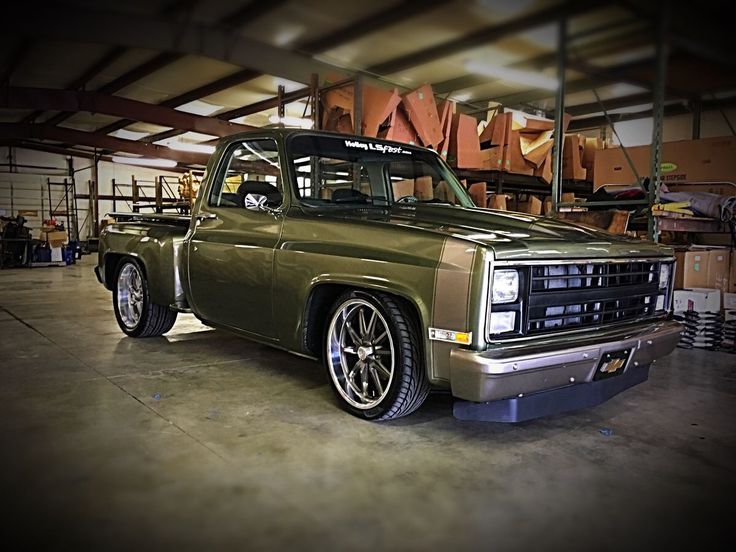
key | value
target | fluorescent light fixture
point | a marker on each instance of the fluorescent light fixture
(198, 107)
(144, 161)
(188, 146)
(129, 134)
(529, 78)
(291, 121)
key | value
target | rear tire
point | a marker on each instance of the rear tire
(373, 357)
(137, 316)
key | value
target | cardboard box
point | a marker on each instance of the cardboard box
(497, 201)
(680, 269)
(697, 299)
(423, 190)
(403, 188)
(695, 269)
(719, 263)
(53, 236)
(444, 192)
(478, 192)
(572, 158)
(729, 301)
(590, 147)
(705, 160)
(532, 206)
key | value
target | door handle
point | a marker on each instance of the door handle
(206, 216)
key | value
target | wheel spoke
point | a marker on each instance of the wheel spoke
(371, 325)
(380, 337)
(376, 380)
(361, 322)
(382, 368)
(364, 381)
(353, 335)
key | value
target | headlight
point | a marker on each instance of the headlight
(502, 322)
(505, 286)
(665, 270)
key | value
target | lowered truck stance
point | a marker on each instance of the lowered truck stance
(371, 256)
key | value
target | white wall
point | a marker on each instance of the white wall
(27, 188)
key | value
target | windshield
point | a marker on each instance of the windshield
(332, 170)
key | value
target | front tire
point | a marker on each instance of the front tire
(137, 316)
(373, 357)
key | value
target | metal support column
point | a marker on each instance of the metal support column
(559, 133)
(660, 81)
(358, 105)
(134, 193)
(158, 186)
(316, 115)
(281, 108)
(697, 105)
(94, 192)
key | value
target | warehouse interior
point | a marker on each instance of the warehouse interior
(618, 115)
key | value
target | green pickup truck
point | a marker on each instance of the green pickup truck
(371, 256)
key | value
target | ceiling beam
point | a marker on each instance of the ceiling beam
(484, 36)
(224, 83)
(625, 42)
(126, 79)
(19, 131)
(393, 15)
(250, 12)
(95, 69)
(257, 107)
(608, 105)
(47, 99)
(609, 75)
(165, 35)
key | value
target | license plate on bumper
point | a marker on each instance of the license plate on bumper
(612, 364)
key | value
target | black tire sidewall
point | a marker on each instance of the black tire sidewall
(400, 362)
(145, 310)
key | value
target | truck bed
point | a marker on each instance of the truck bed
(177, 220)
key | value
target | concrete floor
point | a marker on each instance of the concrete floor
(202, 440)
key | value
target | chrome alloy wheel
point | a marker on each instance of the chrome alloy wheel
(130, 295)
(360, 353)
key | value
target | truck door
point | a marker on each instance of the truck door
(231, 250)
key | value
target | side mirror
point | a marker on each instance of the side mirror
(257, 202)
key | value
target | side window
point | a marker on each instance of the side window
(418, 179)
(251, 177)
(332, 180)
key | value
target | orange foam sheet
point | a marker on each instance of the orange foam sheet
(378, 105)
(422, 111)
(465, 146)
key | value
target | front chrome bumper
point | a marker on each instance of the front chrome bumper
(502, 373)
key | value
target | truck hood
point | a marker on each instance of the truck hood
(510, 235)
